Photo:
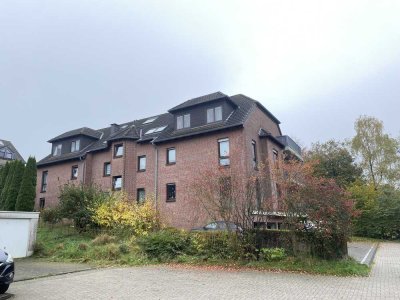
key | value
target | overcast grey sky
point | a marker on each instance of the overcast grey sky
(316, 65)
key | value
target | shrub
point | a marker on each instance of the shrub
(216, 245)
(165, 244)
(108, 252)
(83, 246)
(38, 248)
(119, 214)
(77, 202)
(124, 248)
(103, 239)
(50, 215)
(272, 254)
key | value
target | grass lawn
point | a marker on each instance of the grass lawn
(365, 239)
(66, 245)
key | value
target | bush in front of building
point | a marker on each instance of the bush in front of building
(122, 216)
(50, 215)
(165, 244)
(78, 202)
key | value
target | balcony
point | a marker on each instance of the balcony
(290, 146)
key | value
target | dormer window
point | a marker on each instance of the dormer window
(6, 153)
(57, 150)
(183, 121)
(75, 145)
(214, 114)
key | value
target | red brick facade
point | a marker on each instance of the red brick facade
(193, 155)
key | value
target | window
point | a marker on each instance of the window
(275, 158)
(254, 154)
(57, 150)
(171, 156)
(117, 183)
(6, 153)
(74, 172)
(118, 150)
(140, 195)
(151, 120)
(171, 192)
(155, 130)
(43, 188)
(75, 145)
(183, 121)
(42, 202)
(214, 114)
(107, 169)
(223, 152)
(142, 163)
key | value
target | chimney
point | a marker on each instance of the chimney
(114, 128)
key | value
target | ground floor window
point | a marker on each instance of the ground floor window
(140, 195)
(42, 203)
(117, 183)
(171, 192)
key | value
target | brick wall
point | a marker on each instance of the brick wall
(58, 175)
(193, 156)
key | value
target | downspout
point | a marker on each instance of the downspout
(155, 176)
(81, 158)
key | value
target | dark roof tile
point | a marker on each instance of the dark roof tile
(80, 131)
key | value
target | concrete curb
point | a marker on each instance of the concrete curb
(53, 274)
(369, 258)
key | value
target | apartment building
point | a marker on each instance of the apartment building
(162, 155)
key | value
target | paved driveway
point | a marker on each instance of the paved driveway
(171, 283)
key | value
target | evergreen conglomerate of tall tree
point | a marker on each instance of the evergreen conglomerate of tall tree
(18, 185)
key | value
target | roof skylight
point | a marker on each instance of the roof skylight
(155, 130)
(151, 120)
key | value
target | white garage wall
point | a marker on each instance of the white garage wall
(18, 232)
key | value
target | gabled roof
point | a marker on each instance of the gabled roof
(80, 131)
(236, 119)
(136, 130)
(10, 146)
(199, 100)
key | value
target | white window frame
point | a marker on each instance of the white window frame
(57, 150)
(183, 121)
(75, 145)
